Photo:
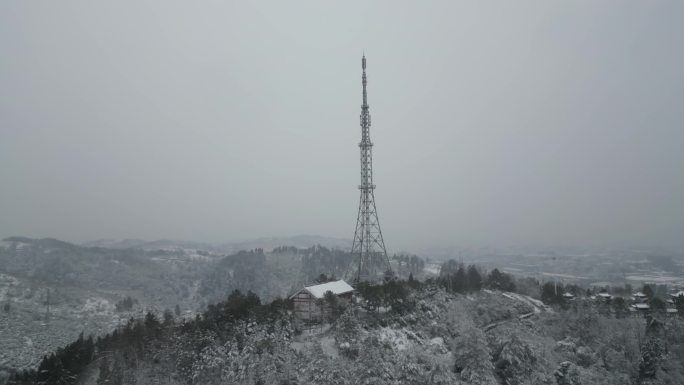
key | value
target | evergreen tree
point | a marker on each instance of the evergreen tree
(679, 305)
(657, 305)
(332, 306)
(459, 280)
(648, 291)
(497, 280)
(474, 279)
(619, 307)
(651, 355)
(168, 318)
(322, 278)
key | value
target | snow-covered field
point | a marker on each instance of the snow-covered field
(656, 278)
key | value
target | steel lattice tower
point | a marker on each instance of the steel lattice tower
(369, 256)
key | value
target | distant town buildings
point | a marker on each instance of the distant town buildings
(637, 303)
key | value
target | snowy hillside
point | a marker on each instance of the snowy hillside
(424, 336)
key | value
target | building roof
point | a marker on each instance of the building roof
(671, 310)
(641, 306)
(336, 287)
(639, 294)
(678, 294)
(605, 295)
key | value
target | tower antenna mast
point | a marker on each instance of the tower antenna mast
(369, 255)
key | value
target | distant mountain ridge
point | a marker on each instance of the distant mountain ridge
(299, 241)
(159, 244)
(266, 243)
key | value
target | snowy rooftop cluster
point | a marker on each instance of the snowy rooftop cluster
(336, 287)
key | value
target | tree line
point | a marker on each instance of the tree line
(130, 340)
(456, 277)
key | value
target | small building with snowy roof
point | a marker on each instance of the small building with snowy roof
(677, 294)
(310, 304)
(605, 296)
(641, 307)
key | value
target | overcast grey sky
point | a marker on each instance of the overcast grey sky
(495, 123)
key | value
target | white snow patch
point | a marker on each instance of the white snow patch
(328, 346)
(98, 305)
(297, 346)
(6, 283)
(537, 305)
(399, 339)
(432, 268)
(437, 346)
(8, 280)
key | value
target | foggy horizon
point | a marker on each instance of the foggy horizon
(540, 124)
